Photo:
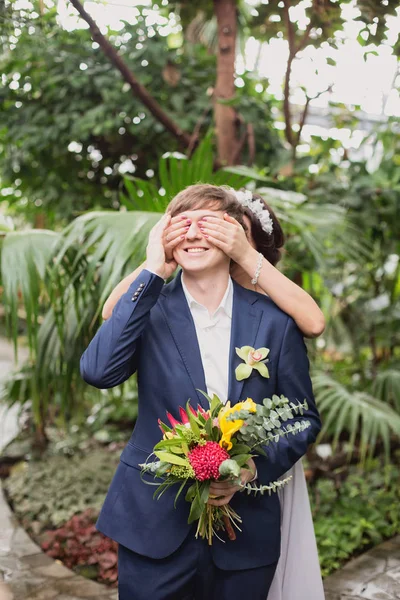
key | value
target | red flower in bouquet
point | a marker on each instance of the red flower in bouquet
(206, 460)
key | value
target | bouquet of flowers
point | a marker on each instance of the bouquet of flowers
(214, 445)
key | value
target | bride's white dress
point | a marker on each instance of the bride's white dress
(298, 575)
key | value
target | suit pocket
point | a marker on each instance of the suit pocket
(134, 456)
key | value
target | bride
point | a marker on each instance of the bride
(297, 576)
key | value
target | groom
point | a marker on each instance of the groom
(181, 338)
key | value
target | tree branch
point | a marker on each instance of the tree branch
(251, 142)
(304, 38)
(289, 26)
(305, 111)
(301, 124)
(137, 88)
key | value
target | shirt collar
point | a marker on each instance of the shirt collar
(226, 303)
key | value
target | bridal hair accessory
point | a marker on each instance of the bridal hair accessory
(257, 207)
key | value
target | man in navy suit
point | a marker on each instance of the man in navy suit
(181, 338)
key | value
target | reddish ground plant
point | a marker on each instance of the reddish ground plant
(79, 545)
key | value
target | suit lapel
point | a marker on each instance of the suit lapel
(180, 322)
(245, 324)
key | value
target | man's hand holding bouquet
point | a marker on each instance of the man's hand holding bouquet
(208, 455)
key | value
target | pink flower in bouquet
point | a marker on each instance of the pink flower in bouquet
(206, 460)
(204, 413)
(184, 417)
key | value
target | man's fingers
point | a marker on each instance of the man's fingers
(220, 501)
(228, 491)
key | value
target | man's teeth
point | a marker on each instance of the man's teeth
(193, 250)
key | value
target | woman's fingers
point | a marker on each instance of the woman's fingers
(231, 219)
(159, 228)
(178, 222)
(172, 235)
(217, 224)
(217, 234)
(174, 238)
(227, 235)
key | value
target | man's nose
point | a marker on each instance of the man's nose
(193, 232)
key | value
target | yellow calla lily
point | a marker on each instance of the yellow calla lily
(228, 428)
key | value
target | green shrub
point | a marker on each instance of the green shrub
(362, 512)
(45, 494)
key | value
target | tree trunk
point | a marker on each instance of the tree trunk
(225, 116)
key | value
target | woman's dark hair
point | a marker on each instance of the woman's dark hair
(269, 244)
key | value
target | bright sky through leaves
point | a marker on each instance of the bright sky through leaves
(356, 81)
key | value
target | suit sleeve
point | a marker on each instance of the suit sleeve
(294, 382)
(111, 357)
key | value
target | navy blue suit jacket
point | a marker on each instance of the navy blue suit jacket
(151, 332)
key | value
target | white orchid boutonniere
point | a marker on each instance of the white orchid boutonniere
(253, 359)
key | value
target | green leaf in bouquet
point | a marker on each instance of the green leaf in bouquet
(205, 396)
(162, 469)
(267, 402)
(176, 449)
(267, 425)
(199, 501)
(162, 488)
(262, 369)
(260, 450)
(165, 427)
(215, 405)
(179, 491)
(209, 428)
(190, 494)
(229, 468)
(165, 444)
(242, 459)
(239, 449)
(171, 458)
(205, 491)
(192, 420)
(216, 434)
(243, 371)
(279, 400)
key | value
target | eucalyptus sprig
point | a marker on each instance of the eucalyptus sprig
(266, 424)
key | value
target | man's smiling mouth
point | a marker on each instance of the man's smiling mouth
(196, 250)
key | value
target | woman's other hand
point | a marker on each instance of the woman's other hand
(157, 261)
(174, 234)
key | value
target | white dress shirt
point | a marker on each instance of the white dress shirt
(214, 337)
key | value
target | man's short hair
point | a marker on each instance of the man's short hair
(206, 195)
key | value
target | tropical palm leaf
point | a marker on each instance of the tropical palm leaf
(24, 259)
(106, 245)
(359, 414)
(386, 387)
(323, 228)
(175, 172)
